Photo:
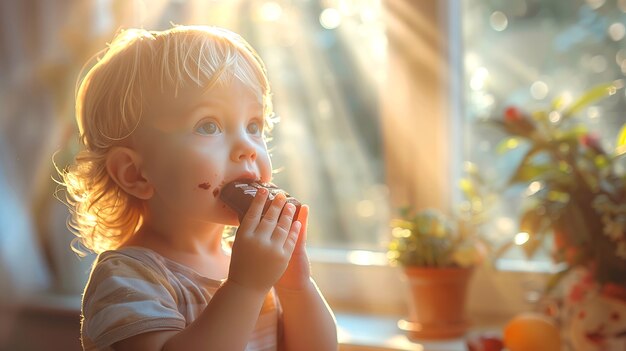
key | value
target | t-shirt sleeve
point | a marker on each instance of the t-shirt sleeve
(126, 297)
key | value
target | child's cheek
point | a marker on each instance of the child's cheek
(210, 185)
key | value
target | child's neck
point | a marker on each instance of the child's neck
(204, 253)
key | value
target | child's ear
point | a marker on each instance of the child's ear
(124, 166)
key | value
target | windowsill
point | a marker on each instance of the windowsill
(363, 332)
(362, 282)
(379, 259)
(355, 331)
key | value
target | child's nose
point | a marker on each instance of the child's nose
(243, 150)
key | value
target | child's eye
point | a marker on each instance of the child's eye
(208, 128)
(254, 128)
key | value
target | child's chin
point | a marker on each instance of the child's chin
(234, 222)
(231, 218)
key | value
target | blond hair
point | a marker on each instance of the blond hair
(110, 101)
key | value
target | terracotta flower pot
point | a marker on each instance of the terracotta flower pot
(436, 302)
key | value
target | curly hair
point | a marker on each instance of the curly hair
(110, 100)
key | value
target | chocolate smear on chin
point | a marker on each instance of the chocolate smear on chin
(205, 186)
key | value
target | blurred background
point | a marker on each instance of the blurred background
(328, 147)
(377, 101)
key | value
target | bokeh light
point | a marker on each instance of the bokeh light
(499, 21)
(539, 90)
(521, 238)
(617, 31)
(270, 11)
(330, 18)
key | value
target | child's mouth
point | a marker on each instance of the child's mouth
(216, 190)
(595, 337)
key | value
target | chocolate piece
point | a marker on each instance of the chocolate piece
(240, 193)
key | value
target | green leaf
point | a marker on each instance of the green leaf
(558, 197)
(558, 102)
(535, 223)
(507, 145)
(594, 94)
(620, 143)
(621, 138)
(519, 173)
(572, 134)
(529, 172)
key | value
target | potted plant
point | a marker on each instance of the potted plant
(437, 255)
(577, 196)
(577, 191)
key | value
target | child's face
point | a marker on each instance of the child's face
(192, 145)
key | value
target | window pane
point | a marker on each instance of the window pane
(324, 63)
(525, 53)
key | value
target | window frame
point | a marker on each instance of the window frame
(356, 281)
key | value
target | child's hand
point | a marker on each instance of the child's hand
(298, 272)
(264, 244)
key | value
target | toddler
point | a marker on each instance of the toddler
(166, 119)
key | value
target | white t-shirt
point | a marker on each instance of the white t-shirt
(134, 290)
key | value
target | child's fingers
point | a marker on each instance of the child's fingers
(284, 224)
(303, 217)
(253, 215)
(292, 237)
(270, 218)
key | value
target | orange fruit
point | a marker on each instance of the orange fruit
(531, 332)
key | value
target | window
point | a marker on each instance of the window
(527, 53)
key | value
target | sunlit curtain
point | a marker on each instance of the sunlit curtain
(27, 128)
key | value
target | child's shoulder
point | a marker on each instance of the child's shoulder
(131, 270)
(133, 262)
(130, 255)
(129, 292)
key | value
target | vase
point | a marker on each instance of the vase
(436, 302)
(593, 316)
